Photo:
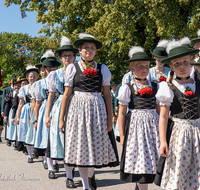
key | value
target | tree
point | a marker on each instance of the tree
(119, 24)
(19, 50)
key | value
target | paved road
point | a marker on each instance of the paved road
(17, 174)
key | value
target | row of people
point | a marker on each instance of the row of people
(90, 142)
(77, 126)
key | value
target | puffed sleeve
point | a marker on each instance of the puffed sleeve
(124, 95)
(22, 93)
(164, 95)
(69, 75)
(106, 75)
(38, 94)
(51, 82)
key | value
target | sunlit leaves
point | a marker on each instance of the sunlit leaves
(119, 24)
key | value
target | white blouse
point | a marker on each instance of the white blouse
(71, 71)
(165, 94)
(124, 95)
(55, 81)
(23, 91)
(33, 90)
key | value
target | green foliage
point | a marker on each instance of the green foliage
(119, 24)
(19, 50)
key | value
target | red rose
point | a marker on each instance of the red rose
(189, 93)
(146, 90)
(90, 72)
(162, 78)
(8, 84)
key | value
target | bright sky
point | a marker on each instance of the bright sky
(11, 21)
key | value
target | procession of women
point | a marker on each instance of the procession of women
(71, 112)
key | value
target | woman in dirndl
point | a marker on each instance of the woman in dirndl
(89, 116)
(159, 73)
(138, 128)
(55, 84)
(23, 81)
(41, 92)
(11, 129)
(179, 131)
(30, 137)
(24, 107)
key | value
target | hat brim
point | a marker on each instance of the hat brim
(31, 70)
(157, 55)
(80, 41)
(38, 65)
(195, 63)
(195, 40)
(48, 62)
(67, 49)
(147, 59)
(169, 58)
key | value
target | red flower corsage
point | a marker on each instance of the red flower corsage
(162, 78)
(90, 72)
(188, 92)
(8, 84)
(146, 91)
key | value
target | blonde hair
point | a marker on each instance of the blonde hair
(134, 85)
(171, 76)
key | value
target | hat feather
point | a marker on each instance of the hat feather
(30, 67)
(48, 53)
(185, 40)
(198, 33)
(64, 41)
(83, 35)
(135, 49)
(163, 43)
(172, 44)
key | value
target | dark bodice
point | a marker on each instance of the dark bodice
(9, 100)
(15, 105)
(87, 84)
(143, 102)
(185, 107)
(28, 98)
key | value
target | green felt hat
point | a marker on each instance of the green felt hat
(112, 83)
(39, 65)
(195, 63)
(32, 69)
(87, 38)
(177, 52)
(196, 39)
(159, 52)
(140, 56)
(51, 62)
(67, 48)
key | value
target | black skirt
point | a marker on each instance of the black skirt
(161, 162)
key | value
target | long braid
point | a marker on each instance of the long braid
(170, 79)
(134, 85)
